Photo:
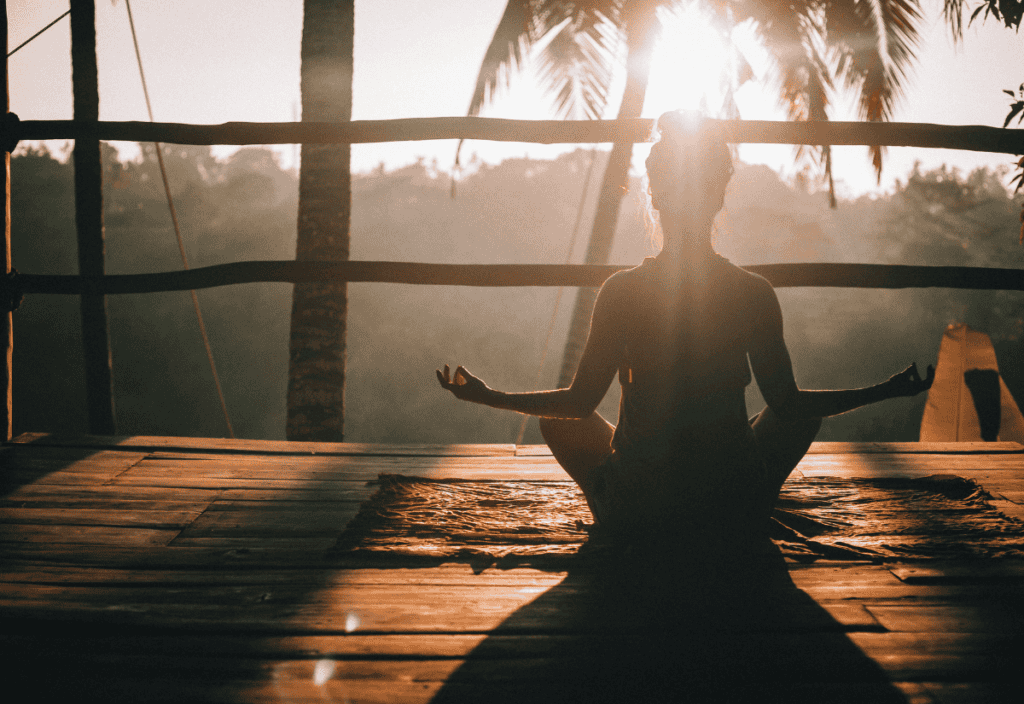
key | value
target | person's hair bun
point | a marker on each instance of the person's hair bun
(688, 136)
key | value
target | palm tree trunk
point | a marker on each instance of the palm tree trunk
(641, 36)
(6, 320)
(316, 369)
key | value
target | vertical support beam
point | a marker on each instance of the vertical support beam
(89, 218)
(6, 320)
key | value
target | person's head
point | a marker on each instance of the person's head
(688, 169)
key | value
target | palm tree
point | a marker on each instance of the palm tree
(316, 367)
(862, 45)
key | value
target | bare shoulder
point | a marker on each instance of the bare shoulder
(623, 284)
(757, 289)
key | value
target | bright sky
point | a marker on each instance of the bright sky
(211, 61)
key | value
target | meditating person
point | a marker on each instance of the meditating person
(679, 330)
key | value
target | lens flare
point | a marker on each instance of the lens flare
(322, 671)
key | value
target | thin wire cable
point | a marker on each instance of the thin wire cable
(561, 289)
(177, 229)
(11, 52)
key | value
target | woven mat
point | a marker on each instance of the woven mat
(937, 517)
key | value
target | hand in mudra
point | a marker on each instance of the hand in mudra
(909, 382)
(463, 385)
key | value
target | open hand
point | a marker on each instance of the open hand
(464, 385)
(909, 382)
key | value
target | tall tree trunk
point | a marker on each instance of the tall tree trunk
(641, 35)
(6, 329)
(316, 369)
(99, 388)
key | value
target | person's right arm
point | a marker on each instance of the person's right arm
(773, 369)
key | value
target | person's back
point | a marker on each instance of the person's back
(678, 331)
(685, 349)
(683, 449)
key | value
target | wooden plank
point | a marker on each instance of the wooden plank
(968, 572)
(254, 479)
(334, 491)
(70, 502)
(273, 447)
(413, 608)
(992, 617)
(298, 686)
(261, 557)
(846, 448)
(256, 519)
(53, 492)
(150, 443)
(881, 464)
(308, 543)
(755, 662)
(35, 571)
(55, 458)
(68, 516)
(943, 656)
(172, 459)
(86, 535)
(953, 448)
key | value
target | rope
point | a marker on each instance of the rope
(177, 229)
(561, 289)
(11, 52)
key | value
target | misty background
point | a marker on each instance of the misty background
(243, 207)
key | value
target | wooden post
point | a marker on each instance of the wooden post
(89, 219)
(6, 328)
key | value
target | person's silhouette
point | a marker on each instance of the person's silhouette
(679, 330)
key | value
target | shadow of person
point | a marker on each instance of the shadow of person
(661, 627)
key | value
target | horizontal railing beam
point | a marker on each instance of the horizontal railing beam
(894, 134)
(504, 275)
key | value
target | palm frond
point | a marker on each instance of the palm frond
(505, 54)
(577, 65)
(953, 13)
(874, 42)
(796, 43)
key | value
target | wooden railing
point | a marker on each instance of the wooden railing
(894, 134)
(505, 275)
(93, 285)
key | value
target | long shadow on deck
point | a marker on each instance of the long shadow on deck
(672, 630)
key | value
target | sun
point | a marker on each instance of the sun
(690, 67)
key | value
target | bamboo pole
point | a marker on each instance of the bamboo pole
(6, 320)
(977, 138)
(509, 275)
(89, 217)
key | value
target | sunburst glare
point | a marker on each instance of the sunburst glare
(691, 65)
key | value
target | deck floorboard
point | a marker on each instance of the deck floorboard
(178, 569)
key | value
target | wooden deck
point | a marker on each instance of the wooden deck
(170, 569)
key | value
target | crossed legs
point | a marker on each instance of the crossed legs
(782, 443)
(579, 446)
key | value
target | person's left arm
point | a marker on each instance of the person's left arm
(597, 368)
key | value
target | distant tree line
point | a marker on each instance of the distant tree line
(522, 210)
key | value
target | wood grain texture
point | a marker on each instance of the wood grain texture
(173, 569)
